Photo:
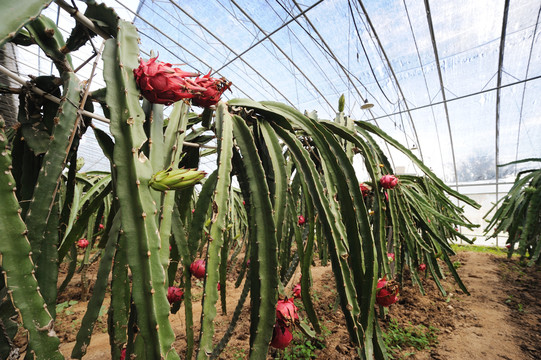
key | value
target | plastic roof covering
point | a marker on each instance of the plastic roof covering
(308, 54)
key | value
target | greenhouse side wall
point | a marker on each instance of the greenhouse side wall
(485, 194)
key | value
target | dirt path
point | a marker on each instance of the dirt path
(484, 326)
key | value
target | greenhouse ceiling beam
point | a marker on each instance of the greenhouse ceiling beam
(284, 53)
(268, 36)
(372, 27)
(498, 91)
(231, 50)
(442, 88)
(461, 97)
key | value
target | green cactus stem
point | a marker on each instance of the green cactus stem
(54, 161)
(264, 262)
(133, 171)
(18, 268)
(15, 14)
(220, 206)
(119, 309)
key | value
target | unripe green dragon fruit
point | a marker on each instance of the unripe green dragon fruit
(175, 179)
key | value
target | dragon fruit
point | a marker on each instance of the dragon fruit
(160, 83)
(302, 220)
(388, 181)
(214, 90)
(422, 267)
(286, 312)
(82, 243)
(281, 336)
(174, 294)
(197, 268)
(297, 291)
(387, 292)
(364, 189)
(390, 257)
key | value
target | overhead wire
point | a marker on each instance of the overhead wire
(331, 53)
(524, 88)
(366, 54)
(255, 36)
(426, 84)
(442, 88)
(326, 50)
(431, 104)
(390, 67)
(232, 51)
(284, 54)
(182, 47)
(291, 63)
(498, 92)
(306, 51)
(379, 48)
(270, 34)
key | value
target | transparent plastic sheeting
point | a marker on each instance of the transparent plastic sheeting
(311, 61)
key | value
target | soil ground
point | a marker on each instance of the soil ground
(501, 319)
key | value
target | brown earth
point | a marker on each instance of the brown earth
(500, 320)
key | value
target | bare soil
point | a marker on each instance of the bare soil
(501, 319)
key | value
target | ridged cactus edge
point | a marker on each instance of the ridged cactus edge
(18, 268)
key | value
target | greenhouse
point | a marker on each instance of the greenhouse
(231, 179)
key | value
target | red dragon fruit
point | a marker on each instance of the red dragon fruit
(302, 220)
(214, 90)
(174, 294)
(123, 354)
(364, 189)
(160, 83)
(101, 227)
(422, 267)
(281, 337)
(286, 312)
(388, 181)
(82, 243)
(387, 292)
(197, 268)
(390, 257)
(297, 291)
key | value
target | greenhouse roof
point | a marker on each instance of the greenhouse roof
(457, 81)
